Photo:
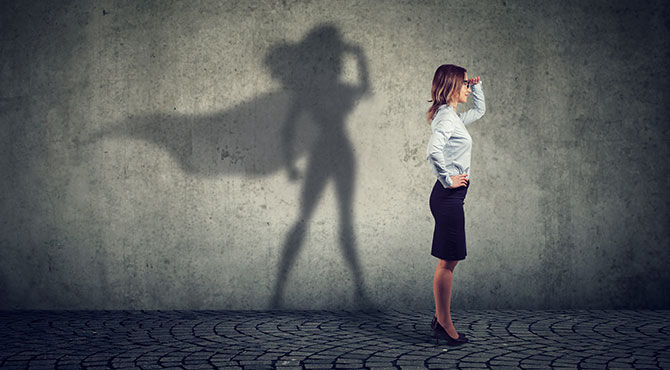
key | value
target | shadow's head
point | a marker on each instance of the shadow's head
(311, 63)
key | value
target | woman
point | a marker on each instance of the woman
(449, 156)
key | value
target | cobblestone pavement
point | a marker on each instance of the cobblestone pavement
(586, 339)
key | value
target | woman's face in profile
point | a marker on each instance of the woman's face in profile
(465, 90)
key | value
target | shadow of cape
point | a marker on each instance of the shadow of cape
(245, 139)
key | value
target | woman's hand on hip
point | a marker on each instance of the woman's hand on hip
(458, 181)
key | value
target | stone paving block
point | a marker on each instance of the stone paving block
(476, 357)
(100, 362)
(646, 366)
(624, 359)
(377, 363)
(645, 361)
(621, 365)
(122, 363)
(254, 363)
(320, 356)
(541, 357)
(359, 356)
(592, 366)
(150, 366)
(170, 364)
(198, 366)
(244, 358)
(291, 358)
(410, 359)
(317, 361)
(20, 357)
(318, 366)
(349, 360)
(376, 358)
(528, 362)
(476, 364)
(504, 362)
(23, 363)
(268, 356)
(349, 366)
(443, 365)
(516, 355)
(564, 363)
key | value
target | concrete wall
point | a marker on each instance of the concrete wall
(145, 149)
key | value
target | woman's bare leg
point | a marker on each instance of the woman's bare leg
(442, 282)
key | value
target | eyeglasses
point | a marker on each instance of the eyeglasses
(467, 83)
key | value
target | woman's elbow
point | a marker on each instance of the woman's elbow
(432, 156)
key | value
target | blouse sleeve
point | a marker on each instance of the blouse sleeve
(438, 140)
(479, 107)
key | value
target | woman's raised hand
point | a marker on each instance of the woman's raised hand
(458, 181)
(474, 81)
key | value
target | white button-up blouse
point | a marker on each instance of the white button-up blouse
(450, 144)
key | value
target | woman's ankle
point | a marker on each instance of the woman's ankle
(445, 322)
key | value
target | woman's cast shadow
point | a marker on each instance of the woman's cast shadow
(269, 132)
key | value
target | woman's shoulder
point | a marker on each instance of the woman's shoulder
(445, 117)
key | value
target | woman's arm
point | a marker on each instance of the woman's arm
(479, 106)
(435, 151)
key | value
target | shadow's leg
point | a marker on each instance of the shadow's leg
(313, 187)
(345, 189)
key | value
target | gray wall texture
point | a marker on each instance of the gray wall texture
(254, 154)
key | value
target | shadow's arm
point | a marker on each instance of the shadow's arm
(288, 134)
(364, 84)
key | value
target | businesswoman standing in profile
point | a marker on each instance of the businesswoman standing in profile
(448, 153)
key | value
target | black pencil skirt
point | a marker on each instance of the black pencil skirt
(446, 205)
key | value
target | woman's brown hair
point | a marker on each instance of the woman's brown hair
(447, 82)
